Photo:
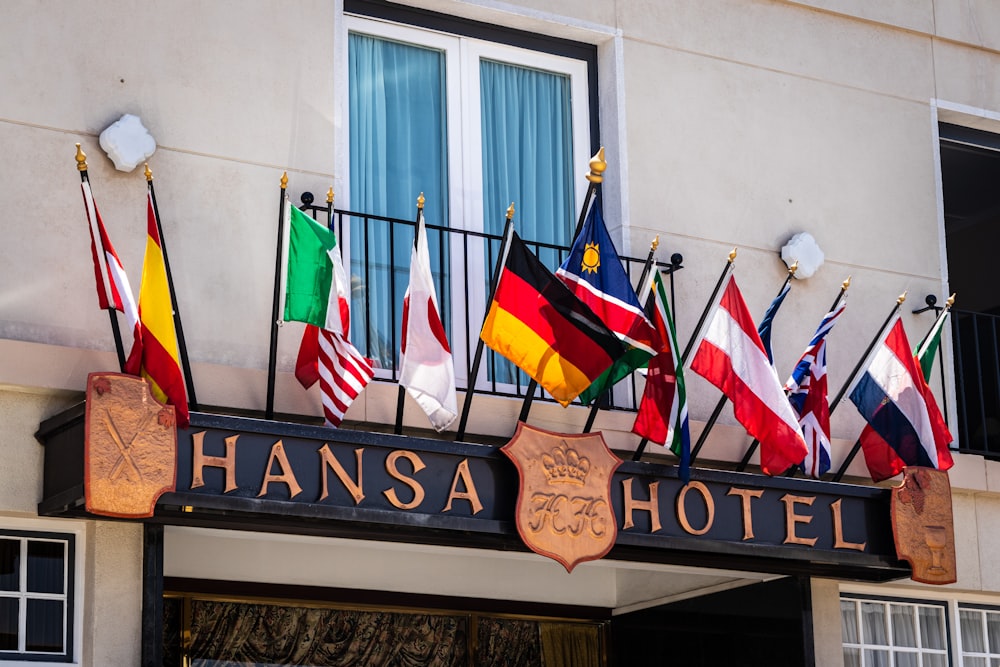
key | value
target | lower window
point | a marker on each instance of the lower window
(980, 636)
(36, 596)
(894, 633)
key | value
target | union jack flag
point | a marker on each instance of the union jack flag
(807, 392)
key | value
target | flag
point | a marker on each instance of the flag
(594, 273)
(110, 273)
(807, 392)
(905, 426)
(732, 357)
(426, 368)
(927, 350)
(342, 372)
(159, 362)
(539, 325)
(662, 416)
(316, 290)
(764, 328)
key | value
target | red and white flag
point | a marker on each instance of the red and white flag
(732, 357)
(113, 289)
(331, 359)
(341, 370)
(426, 370)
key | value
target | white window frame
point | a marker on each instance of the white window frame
(56, 528)
(464, 155)
(982, 610)
(890, 647)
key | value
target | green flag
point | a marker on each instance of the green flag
(315, 289)
(927, 350)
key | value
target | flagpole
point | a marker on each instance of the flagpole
(181, 344)
(477, 359)
(695, 336)
(81, 165)
(596, 176)
(401, 395)
(642, 281)
(850, 380)
(710, 424)
(273, 353)
(753, 445)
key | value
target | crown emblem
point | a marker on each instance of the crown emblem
(565, 466)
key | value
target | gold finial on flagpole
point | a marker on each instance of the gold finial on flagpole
(510, 211)
(597, 167)
(420, 201)
(732, 255)
(149, 173)
(284, 180)
(655, 244)
(81, 159)
(847, 283)
(329, 195)
(902, 297)
(951, 301)
(793, 268)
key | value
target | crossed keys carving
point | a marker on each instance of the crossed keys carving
(124, 461)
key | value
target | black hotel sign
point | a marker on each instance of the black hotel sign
(259, 475)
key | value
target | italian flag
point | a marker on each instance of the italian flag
(315, 282)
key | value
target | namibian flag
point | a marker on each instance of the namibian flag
(594, 273)
(160, 362)
(546, 331)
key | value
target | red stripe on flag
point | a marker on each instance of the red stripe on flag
(781, 445)
(161, 368)
(523, 302)
(732, 301)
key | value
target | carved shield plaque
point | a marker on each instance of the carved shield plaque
(564, 503)
(923, 525)
(130, 453)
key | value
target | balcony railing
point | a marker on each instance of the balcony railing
(977, 380)
(376, 251)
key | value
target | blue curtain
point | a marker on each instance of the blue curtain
(398, 150)
(527, 152)
(528, 159)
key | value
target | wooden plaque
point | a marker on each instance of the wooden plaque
(923, 525)
(564, 503)
(130, 450)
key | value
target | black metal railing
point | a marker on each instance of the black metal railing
(977, 381)
(376, 251)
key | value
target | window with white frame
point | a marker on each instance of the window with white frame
(893, 633)
(36, 596)
(980, 635)
(459, 113)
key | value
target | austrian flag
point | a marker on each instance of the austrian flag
(732, 357)
(113, 289)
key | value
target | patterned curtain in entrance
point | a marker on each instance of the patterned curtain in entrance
(226, 634)
(243, 634)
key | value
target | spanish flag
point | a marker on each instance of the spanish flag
(160, 362)
(536, 322)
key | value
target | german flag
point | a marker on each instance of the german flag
(160, 363)
(536, 322)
